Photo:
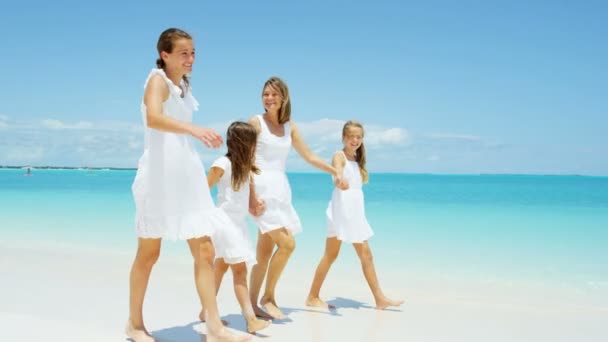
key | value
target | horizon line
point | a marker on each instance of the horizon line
(112, 168)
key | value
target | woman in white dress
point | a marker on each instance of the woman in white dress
(346, 221)
(171, 194)
(277, 133)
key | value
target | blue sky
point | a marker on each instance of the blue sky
(441, 86)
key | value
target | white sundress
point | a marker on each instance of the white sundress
(346, 210)
(272, 185)
(172, 198)
(233, 243)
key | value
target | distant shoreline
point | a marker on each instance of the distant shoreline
(46, 167)
(105, 168)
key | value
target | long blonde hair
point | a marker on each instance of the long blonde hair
(280, 85)
(360, 152)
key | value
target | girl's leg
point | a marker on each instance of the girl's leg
(258, 272)
(203, 252)
(219, 269)
(332, 248)
(239, 276)
(148, 251)
(367, 263)
(285, 242)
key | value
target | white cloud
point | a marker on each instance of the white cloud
(330, 131)
(23, 154)
(120, 144)
(322, 130)
(377, 136)
(56, 124)
(3, 121)
(325, 137)
(454, 136)
(135, 144)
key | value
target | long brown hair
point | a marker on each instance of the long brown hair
(241, 139)
(280, 85)
(360, 152)
(166, 41)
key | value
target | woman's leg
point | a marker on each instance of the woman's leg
(285, 242)
(332, 248)
(148, 251)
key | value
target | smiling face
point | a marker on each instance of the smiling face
(181, 56)
(352, 139)
(272, 99)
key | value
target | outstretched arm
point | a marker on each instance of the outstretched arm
(303, 150)
(155, 94)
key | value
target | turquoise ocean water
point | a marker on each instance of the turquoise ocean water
(550, 228)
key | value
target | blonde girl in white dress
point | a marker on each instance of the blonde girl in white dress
(172, 198)
(346, 221)
(278, 224)
(232, 174)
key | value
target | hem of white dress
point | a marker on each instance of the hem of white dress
(358, 240)
(295, 230)
(195, 224)
(249, 261)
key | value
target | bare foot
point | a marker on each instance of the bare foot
(138, 334)
(261, 313)
(224, 335)
(201, 316)
(272, 308)
(318, 303)
(256, 324)
(386, 302)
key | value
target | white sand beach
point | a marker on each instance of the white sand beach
(58, 293)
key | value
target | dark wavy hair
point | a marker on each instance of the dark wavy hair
(241, 139)
(166, 42)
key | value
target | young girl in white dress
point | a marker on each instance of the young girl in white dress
(232, 174)
(277, 133)
(346, 221)
(172, 198)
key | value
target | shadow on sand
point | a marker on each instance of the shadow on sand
(345, 303)
(195, 331)
(185, 333)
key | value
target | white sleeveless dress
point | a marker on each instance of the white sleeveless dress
(172, 198)
(346, 211)
(272, 185)
(232, 243)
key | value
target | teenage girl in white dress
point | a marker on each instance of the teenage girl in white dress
(172, 198)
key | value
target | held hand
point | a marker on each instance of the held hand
(208, 136)
(341, 183)
(261, 208)
(257, 207)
